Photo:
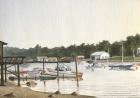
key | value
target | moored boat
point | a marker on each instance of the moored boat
(126, 66)
(63, 74)
(47, 77)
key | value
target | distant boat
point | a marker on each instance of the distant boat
(125, 66)
(121, 66)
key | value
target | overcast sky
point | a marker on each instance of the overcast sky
(25, 23)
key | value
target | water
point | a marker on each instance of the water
(102, 83)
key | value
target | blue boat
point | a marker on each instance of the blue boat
(125, 66)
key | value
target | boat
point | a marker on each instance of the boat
(63, 74)
(47, 77)
(122, 66)
(63, 68)
(34, 73)
(125, 66)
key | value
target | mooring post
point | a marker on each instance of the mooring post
(58, 73)
(2, 77)
(5, 73)
(26, 78)
(76, 73)
(18, 71)
(43, 65)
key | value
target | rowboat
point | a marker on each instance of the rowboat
(64, 74)
(47, 77)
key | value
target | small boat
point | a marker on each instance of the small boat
(47, 77)
(125, 66)
(63, 74)
(35, 72)
(63, 68)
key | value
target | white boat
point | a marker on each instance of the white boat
(64, 74)
(63, 68)
(34, 73)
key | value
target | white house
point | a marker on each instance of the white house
(101, 55)
(138, 51)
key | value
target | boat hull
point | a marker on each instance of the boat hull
(47, 77)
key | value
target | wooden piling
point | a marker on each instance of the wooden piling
(76, 73)
(26, 78)
(18, 70)
(5, 73)
(43, 65)
(58, 73)
(2, 77)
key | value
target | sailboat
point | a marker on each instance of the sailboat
(125, 66)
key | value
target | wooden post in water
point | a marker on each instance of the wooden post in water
(1, 61)
(76, 73)
(18, 71)
(2, 77)
(5, 73)
(43, 65)
(58, 73)
(15, 69)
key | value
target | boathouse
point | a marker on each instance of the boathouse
(101, 55)
(138, 51)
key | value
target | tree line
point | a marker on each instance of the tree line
(130, 44)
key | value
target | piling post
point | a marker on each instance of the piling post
(18, 71)
(2, 77)
(1, 63)
(5, 73)
(58, 73)
(76, 73)
(26, 78)
(43, 65)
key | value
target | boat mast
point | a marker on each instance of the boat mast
(134, 55)
(108, 58)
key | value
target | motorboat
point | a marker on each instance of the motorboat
(63, 74)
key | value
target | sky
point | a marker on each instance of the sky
(54, 23)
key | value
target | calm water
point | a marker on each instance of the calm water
(103, 83)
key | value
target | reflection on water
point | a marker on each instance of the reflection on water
(103, 83)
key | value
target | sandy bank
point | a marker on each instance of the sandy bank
(20, 92)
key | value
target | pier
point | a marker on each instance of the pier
(7, 62)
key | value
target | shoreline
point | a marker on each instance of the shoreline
(25, 92)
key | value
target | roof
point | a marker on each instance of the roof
(139, 48)
(3, 43)
(99, 53)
